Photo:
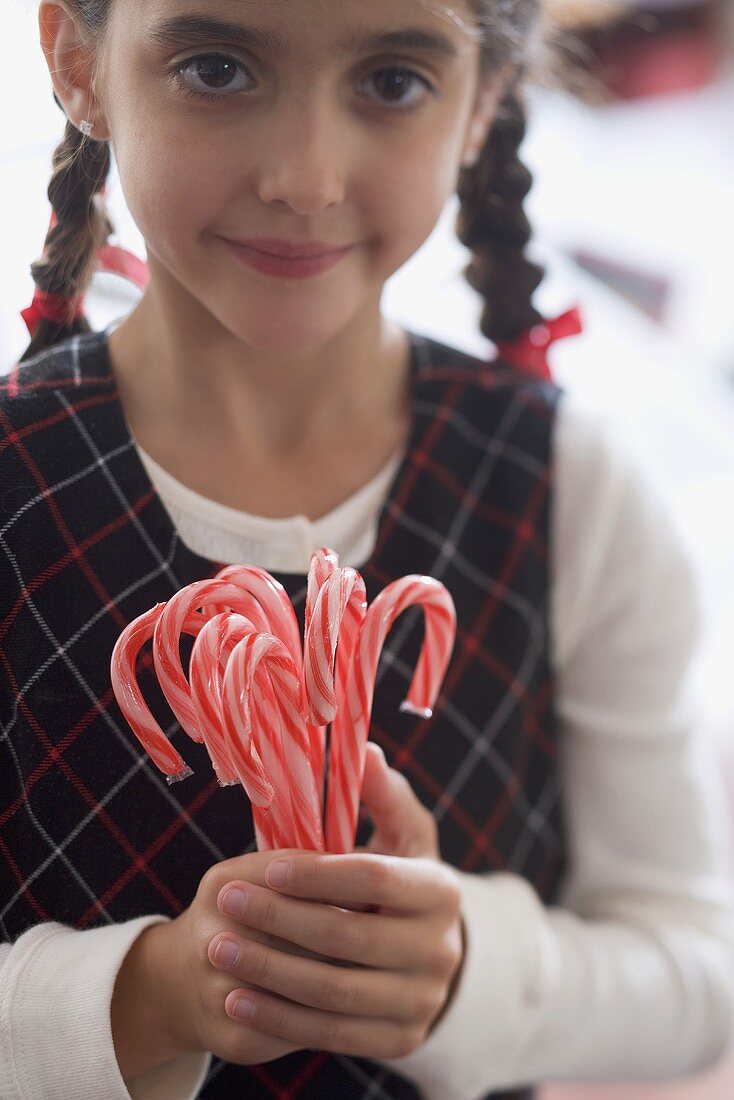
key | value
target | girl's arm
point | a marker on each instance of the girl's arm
(631, 976)
(48, 1052)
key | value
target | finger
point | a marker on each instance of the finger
(384, 942)
(408, 885)
(403, 825)
(251, 867)
(359, 1037)
(351, 991)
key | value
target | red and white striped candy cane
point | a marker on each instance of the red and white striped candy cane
(280, 738)
(210, 595)
(306, 800)
(324, 562)
(253, 732)
(337, 617)
(356, 688)
(209, 658)
(274, 600)
(126, 688)
(284, 625)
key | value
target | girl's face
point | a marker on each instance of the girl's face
(291, 128)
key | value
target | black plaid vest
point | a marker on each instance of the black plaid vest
(90, 832)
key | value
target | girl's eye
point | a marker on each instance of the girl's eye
(217, 70)
(393, 82)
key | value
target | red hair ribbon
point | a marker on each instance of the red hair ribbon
(531, 351)
(64, 309)
(52, 307)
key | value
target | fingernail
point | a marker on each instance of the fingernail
(234, 902)
(226, 954)
(243, 1008)
(278, 873)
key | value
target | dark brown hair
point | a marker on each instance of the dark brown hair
(492, 223)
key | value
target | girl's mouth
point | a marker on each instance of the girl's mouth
(293, 267)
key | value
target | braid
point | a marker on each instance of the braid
(80, 169)
(493, 225)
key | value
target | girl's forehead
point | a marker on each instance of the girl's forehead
(284, 22)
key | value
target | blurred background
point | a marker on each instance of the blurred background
(631, 143)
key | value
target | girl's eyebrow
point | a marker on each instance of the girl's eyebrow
(199, 29)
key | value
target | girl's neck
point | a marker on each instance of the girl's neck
(272, 435)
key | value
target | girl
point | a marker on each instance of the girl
(541, 896)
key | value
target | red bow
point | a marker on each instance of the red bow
(52, 307)
(531, 351)
(62, 309)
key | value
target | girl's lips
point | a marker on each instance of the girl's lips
(294, 267)
(290, 250)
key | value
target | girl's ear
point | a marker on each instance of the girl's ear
(71, 65)
(483, 114)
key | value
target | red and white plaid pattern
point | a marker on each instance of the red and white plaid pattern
(89, 830)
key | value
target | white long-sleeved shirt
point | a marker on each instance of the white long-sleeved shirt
(631, 974)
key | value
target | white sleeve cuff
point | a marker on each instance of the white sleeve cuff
(56, 988)
(508, 969)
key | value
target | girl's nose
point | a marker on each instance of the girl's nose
(304, 161)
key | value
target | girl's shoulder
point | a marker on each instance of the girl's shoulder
(485, 402)
(440, 359)
(75, 363)
(43, 402)
(481, 388)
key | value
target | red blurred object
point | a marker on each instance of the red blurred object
(530, 351)
(659, 48)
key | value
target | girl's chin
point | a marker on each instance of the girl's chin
(286, 335)
(273, 323)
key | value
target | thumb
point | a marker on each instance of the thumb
(403, 826)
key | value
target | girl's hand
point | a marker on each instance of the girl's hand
(403, 826)
(368, 983)
(169, 997)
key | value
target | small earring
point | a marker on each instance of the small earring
(470, 161)
(86, 127)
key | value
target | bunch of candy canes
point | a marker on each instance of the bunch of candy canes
(260, 700)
